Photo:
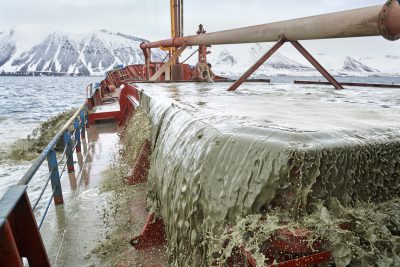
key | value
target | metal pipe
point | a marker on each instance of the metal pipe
(370, 21)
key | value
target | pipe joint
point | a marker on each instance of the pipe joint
(389, 20)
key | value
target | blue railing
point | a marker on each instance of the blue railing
(72, 143)
(19, 229)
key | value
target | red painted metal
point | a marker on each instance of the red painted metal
(310, 260)
(283, 247)
(389, 20)
(373, 85)
(27, 233)
(93, 117)
(295, 242)
(152, 235)
(16, 215)
(315, 63)
(71, 169)
(126, 114)
(9, 255)
(129, 97)
(253, 68)
(142, 165)
(240, 257)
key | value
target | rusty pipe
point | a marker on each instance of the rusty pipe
(369, 21)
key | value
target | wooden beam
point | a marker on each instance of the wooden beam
(167, 65)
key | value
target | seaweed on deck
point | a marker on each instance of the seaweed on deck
(29, 148)
(119, 214)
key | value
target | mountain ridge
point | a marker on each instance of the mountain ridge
(93, 53)
(96, 52)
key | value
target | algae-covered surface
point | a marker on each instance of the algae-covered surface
(294, 152)
(127, 214)
(370, 238)
(29, 148)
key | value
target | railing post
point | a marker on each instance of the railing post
(77, 135)
(68, 151)
(55, 177)
(9, 254)
(16, 215)
(82, 124)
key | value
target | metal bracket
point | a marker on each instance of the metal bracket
(166, 66)
(256, 65)
(152, 235)
(273, 49)
(316, 65)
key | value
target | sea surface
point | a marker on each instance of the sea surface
(25, 102)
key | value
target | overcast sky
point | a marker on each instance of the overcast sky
(150, 18)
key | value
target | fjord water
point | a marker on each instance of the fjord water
(25, 102)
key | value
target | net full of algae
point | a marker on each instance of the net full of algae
(203, 180)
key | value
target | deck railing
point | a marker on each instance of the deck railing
(19, 229)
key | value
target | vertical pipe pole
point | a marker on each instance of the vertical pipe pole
(181, 16)
(82, 124)
(316, 65)
(256, 65)
(55, 177)
(9, 255)
(77, 135)
(86, 117)
(68, 151)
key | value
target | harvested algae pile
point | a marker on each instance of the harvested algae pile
(29, 148)
(374, 239)
(119, 214)
(205, 176)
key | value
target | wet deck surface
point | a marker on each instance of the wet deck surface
(71, 231)
(110, 103)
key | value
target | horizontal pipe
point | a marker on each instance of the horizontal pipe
(369, 21)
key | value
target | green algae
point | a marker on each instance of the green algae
(29, 148)
(119, 213)
(371, 237)
(203, 180)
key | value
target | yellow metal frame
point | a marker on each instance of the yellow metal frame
(173, 18)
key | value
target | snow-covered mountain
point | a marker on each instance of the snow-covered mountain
(84, 54)
(235, 60)
(31, 50)
(352, 66)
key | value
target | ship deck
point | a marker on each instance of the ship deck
(71, 231)
(287, 115)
